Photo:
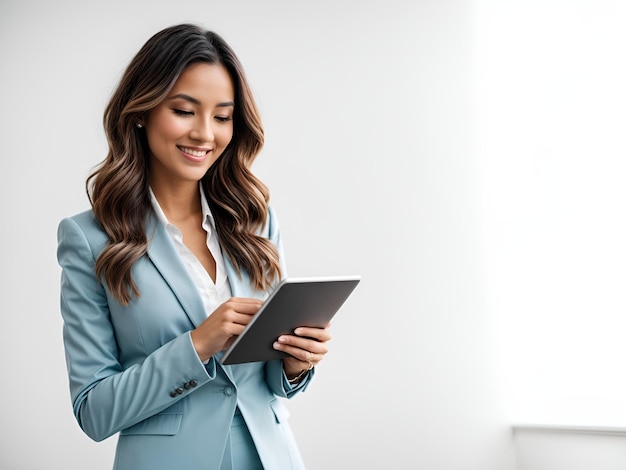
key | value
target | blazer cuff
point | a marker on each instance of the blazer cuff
(278, 383)
(300, 386)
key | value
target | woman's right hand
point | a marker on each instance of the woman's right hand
(221, 328)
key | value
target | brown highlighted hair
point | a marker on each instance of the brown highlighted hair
(119, 188)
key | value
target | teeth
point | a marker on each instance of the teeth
(195, 153)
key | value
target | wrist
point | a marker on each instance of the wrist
(294, 377)
(298, 377)
(203, 352)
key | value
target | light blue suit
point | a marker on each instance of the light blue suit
(135, 371)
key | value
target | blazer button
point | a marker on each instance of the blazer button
(187, 385)
(179, 391)
(173, 393)
(228, 391)
(193, 382)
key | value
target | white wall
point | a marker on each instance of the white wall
(550, 127)
(370, 157)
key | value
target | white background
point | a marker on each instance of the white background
(464, 157)
(550, 111)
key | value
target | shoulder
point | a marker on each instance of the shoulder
(86, 221)
(83, 225)
(270, 228)
(82, 218)
(271, 222)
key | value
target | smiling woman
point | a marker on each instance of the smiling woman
(194, 122)
(169, 266)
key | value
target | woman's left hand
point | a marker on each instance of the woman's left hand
(306, 348)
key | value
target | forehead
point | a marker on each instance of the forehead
(205, 82)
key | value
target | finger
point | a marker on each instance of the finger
(241, 318)
(232, 315)
(243, 305)
(304, 344)
(245, 300)
(319, 334)
(306, 358)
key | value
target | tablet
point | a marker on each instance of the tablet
(294, 302)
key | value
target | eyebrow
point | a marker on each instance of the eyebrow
(193, 100)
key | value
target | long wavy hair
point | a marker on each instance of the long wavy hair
(118, 189)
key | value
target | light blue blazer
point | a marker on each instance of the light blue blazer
(134, 370)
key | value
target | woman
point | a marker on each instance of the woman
(175, 257)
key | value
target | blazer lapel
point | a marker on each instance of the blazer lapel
(240, 285)
(162, 253)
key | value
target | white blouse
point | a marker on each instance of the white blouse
(213, 293)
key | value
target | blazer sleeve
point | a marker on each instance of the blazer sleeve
(106, 397)
(273, 234)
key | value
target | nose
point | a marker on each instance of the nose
(202, 130)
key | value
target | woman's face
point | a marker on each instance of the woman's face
(192, 126)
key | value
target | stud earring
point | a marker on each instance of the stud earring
(139, 125)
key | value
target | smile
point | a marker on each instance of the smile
(194, 153)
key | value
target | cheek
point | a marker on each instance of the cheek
(225, 136)
(163, 127)
(169, 129)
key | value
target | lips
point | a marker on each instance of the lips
(195, 155)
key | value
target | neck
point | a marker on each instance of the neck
(178, 201)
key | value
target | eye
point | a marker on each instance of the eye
(223, 118)
(182, 112)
